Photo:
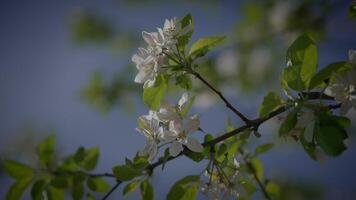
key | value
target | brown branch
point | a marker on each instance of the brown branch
(255, 176)
(227, 103)
(251, 124)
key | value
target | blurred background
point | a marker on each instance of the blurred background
(65, 69)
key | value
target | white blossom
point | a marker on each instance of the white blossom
(344, 90)
(168, 112)
(147, 67)
(179, 134)
(149, 126)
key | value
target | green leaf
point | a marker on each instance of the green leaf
(55, 193)
(247, 185)
(323, 75)
(204, 45)
(60, 182)
(146, 190)
(125, 173)
(289, 123)
(263, 148)
(152, 96)
(77, 190)
(18, 188)
(131, 187)
(273, 189)
(195, 156)
(45, 150)
(87, 159)
(17, 170)
(303, 56)
(330, 133)
(309, 147)
(184, 189)
(184, 81)
(270, 102)
(352, 10)
(187, 26)
(258, 167)
(37, 189)
(97, 184)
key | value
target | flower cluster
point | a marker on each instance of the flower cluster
(344, 89)
(149, 60)
(221, 186)
(169, 124)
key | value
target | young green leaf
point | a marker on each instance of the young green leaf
(18, 188)
(55, 193)
(184, 189)
(45, 150)
(130, 187)
(37, 189)
(77, 191)
(323, 75)
(184, 81)
(270, 102)
(263, 148)
(152, 96)
(125, 173)
(257, 167)
(91, 158)
(146, 190)
(17, 170)
(289, 123)
(195, 156)
(97, 184)
(204, 45)
(187, 26)
(302, 57)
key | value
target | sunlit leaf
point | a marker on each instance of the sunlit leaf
(270, 102)
(204, 45)
(18, 188)
(125, 173)
(17, 170)
(130, 187)
(97, 184)
(152, 96)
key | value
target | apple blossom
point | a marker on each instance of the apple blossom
(149, 126)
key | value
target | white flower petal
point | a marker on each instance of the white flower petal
(183, 101)
(150, 38)
(176, 126)
(194, 145)
(175, 148)
(150, 149)
(169, 136)
(192, 124)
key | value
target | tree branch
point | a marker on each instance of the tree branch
(227, 103)
(251, 124)
(254, 173)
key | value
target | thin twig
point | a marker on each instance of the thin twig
(252, 124)
(254, 173)
(118, 183)
(227, 103)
